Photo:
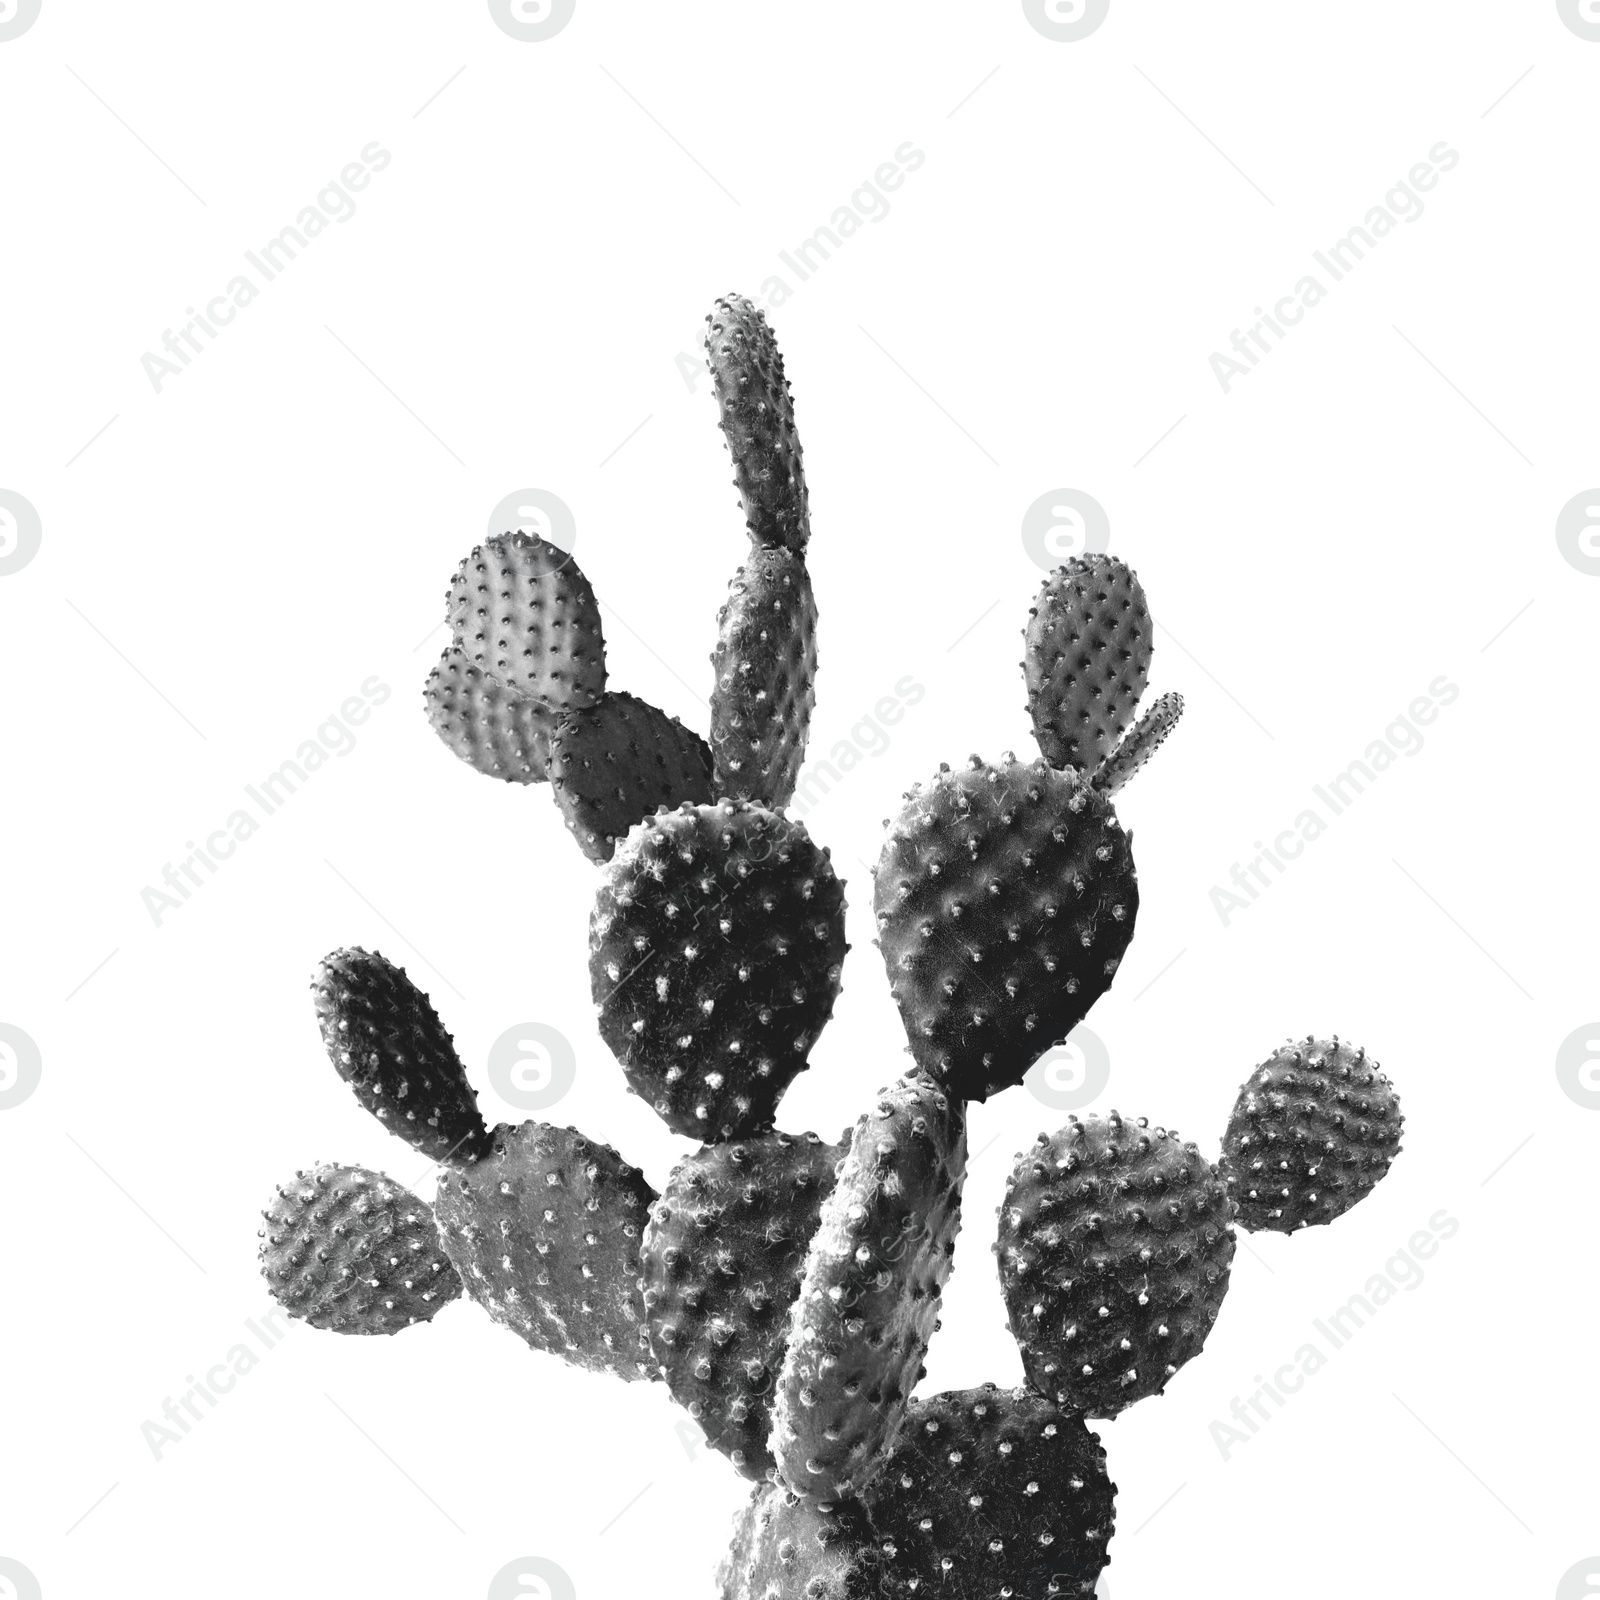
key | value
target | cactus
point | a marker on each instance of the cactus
(786, 1290)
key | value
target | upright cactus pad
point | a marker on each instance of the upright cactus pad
(766, 669)
(617, 763)
(1088, 659)
(1005, 897)
(1115, 1245)
(1315, 1127)
(351, 1251)
(1139, 743)
(869, 1302)
(525, 614)
(715, 945)
(785, 1544)
(723, 1256)
(758, 423)
(545, 1230)
(387, 1042)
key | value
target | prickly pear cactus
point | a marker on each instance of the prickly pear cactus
(785, 1289)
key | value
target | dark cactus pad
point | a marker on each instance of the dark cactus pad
(785, 1545)
(1115, 1244)
(525, 614)
(766, 665)
(1313, 1130)
(1088, 659)
(1139, 743)
(500, 732)
(545, 1231)
(758, 423)
(723, 1255)
(387, 1042)
(992, 1492)
(352, 1251)
(1005, 898)
(869, 1301)
(620, 761)
(715, 948)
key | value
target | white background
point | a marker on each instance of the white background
(1372, 507)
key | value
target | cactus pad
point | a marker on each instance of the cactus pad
(1139, 743)
(785, 1545)
(500, 732)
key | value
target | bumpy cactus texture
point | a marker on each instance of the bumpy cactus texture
(545, 1229)
(352, 1251)
(787, 1290)
(723, 1259)
(716, 945)
(1115, 1244)
(1005, 898)
(1315, 1127)
(869, 1302)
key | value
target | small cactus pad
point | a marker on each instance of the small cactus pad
(1313, 1130)
(766, 666)
(723, 1256)
(524, 613)
(787, 1546)
(993, 1492)
(758, 423)
(715, 947)
(1115, 1245)
(1005, 898)
(617, 763)
(1087, 660)
(1139, 743)
(351, 1251)
(500, 732)
(869, 1301)
(545, 1231)
(387, 1042)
